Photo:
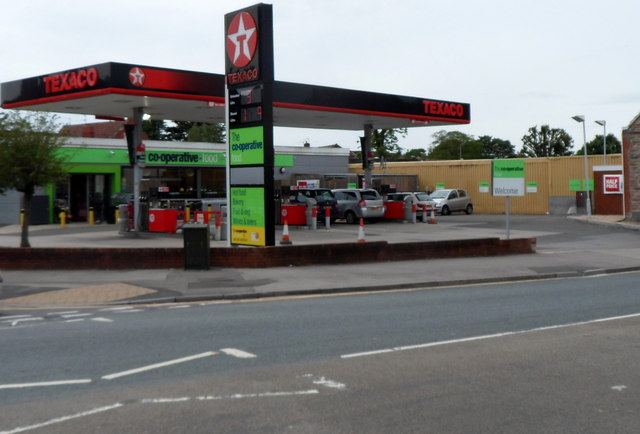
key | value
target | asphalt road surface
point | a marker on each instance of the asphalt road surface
(545, 356)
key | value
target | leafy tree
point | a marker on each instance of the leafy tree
(418, 154)
(546, 142)
(384, 143)
(29, 157)
(454, 145)
(201, 132)
(492, 147)
(154, 129)
(177, 131)
(594, 147)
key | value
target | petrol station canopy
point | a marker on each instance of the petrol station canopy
(113, 90)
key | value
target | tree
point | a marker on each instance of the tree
(418, 154)
(454, 145)
(154, 129)
(202, 132)
(492, 148)
(29, 157)
(384, 143)
(594, 147)
(546, 142)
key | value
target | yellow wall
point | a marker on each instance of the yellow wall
(551, 174)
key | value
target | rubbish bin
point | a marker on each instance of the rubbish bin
(409, 214)
(197, 246)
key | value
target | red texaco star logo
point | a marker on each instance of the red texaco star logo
(242, 39)
(136, 76)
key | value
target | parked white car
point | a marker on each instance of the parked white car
(451, 200)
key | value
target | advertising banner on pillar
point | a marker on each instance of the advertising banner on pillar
(612, 184)
(249, 90)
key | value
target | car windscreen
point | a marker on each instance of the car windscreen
(422, 196)
(439, 194)
(325, 195)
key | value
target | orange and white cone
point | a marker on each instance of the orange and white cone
(285, 234)
(432, 219)
(361, 231)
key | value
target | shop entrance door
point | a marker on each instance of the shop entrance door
(89, 190)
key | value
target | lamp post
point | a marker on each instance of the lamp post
(604, 139)
(580, 118)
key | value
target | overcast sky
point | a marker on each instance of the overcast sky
(519, 63)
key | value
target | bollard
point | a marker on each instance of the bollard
(424, 213)
(117, 215)
(63, 219)
(314, 218)
(187, 214)
(327, 217)
(218, 232)
(209, 208)
(92, 216)
(21, 217)
(414, 210)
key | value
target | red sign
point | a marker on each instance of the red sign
(242, 39)
(443, 108)
(70, 80)
(612, 184)
(136, 76)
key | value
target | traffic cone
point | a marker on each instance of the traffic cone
(285, 234)
(432, 219)
(361, 231)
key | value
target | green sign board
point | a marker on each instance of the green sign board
(483, 187)
(532, 187)
(246, 146)
(439, 185)
(247, 216)
(507, 177)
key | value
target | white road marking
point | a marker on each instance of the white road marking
(75, 320)
(13, 317)
(100, 319)
(128, 311)
(237, 353)
(479, 338)
(63, 313)
(182, 306)
(158, 365)
(17, 321)
(619, 388)
(63, 419)
(75, 315)
(224, 397)
(44, 384)
(322, 381)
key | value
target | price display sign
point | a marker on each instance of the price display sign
(249, 79)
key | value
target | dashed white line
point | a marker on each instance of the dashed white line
(75, 315)
(158, 365)
(11, 317)
(63, 419)
(182, 306)
(44, 384)
(17, 321)
(100, 319)
(238, 353)
(128, 311)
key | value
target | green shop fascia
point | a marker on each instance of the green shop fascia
(105, 171)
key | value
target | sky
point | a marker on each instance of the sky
(518, 63)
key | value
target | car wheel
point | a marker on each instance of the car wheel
(350, 217)
(469, 209)
(445, 210)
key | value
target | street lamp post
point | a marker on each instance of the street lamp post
(580, 118)
(604, 139)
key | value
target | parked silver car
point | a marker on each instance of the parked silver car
(357, 203)
(451, 200)
(420, 198)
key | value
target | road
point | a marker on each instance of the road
(519, 357)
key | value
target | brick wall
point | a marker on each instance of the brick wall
(249, 257)
(631, 142)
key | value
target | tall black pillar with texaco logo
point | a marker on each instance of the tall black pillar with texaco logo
(249, 99)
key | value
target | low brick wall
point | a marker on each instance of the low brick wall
(252, 257)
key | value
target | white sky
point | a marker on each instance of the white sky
(519, 63)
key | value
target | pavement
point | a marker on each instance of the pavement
(566, 246)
